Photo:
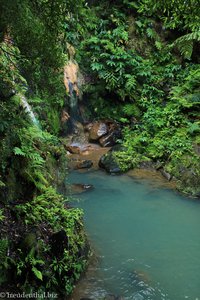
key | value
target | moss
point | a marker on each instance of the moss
(186, 170)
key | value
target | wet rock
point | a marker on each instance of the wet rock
(84, 164)
(107, 141)
(197, 148)
(167, 175)
(108, 161)
(190, 180)
(73, 149)
(88, 127)
(110, 139)
(114, 133)
(146, 165)
(78, 188)
(158, 165)
(97, 130)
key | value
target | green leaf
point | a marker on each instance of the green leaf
(37, 273)
(18, 151)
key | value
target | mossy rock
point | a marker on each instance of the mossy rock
(109, 162)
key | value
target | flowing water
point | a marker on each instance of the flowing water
(28, 110)
(147, 239)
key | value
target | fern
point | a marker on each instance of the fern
(150, 33)
(2, 217)
(194, 128)
(131, 110)
(18, 151)
(130, 83)
(110, 78)
(185, 43)
(2, 184)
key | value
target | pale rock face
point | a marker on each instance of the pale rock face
(71, 77)
(98, 130)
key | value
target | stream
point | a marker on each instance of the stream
(146, 238)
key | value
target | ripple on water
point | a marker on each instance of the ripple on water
(147, 239)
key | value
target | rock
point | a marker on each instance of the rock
(190, 180)
(78, 188)
(146, 164)
(107, 140)
(108, 161)
(88, 127)
(84, 164)
(59, 241)
(97, 130)
(166, 174)
(73, 149)
(197, 148)
(110, 139)
(114, 133)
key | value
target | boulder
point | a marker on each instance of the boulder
(73, 149)
(78, 188)
(167, 175)
(84, 164)
(105, 131)
(190, 180)
(88, 127)
(197, 148)
(108, 161)
(110, 139)
(97, 130)
(146, 164)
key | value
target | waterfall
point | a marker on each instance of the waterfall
(28, 110)
(73, 103)
(72, 80)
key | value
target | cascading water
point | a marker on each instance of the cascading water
(28, 110)
(74, 121)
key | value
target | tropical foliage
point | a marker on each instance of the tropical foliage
(142, 68)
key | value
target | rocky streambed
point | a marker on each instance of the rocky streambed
(95, 148)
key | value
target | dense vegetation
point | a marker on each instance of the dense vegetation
(141, 61)
(42, 242)
(144, 56)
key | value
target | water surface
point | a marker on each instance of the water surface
(147, 239)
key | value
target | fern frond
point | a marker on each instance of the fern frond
(130, 83)
(185, 43)
(131, 110)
